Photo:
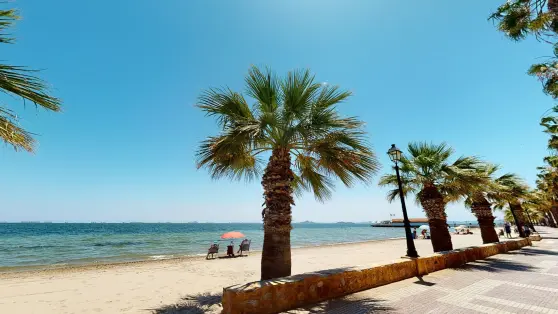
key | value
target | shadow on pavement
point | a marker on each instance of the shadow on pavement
(495, 265)
(423, 283)
(345, 305)
(532, 252)
(193, 304)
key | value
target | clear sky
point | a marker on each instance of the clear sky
(130, 72)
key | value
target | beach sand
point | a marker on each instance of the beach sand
(153, 285)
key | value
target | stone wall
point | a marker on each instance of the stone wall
(535, 237)
(281, 294)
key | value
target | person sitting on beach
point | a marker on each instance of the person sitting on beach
(423, 233)
(501, 233)
(230, 249)
(245, 241)
(469, 232)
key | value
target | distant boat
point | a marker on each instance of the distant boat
(398, 223)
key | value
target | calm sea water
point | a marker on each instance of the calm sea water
(29, 245)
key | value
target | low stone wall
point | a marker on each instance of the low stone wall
(281, 294)
(535, 237)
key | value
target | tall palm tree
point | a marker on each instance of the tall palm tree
(295, 120)
(426, 171)
(19, 81)
(480, 206)
(511, 195)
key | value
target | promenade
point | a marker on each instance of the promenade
(524, 281)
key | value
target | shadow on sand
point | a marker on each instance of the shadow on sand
(193, 304)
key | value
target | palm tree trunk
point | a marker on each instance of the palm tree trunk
(278, 193)
(551, 222)
(552, 6)
(434, 206)
(481, 209)
(553, 215)
(517, 212)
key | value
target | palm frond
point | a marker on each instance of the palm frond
(298, 91)
(390, 180)
(312, 177)
(346, 155)
(264, 88)
(7, 18)
(18, 81)
(12, 134)
(229, 155)
(228, 106)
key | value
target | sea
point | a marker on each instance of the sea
(49, 245)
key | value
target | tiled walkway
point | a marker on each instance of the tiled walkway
(524, 281)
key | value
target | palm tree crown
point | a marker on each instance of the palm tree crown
(429, 165)
(294, 114)
(511, 190)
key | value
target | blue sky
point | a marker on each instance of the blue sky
(129, 75)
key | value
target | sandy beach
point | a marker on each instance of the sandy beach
(151, 286)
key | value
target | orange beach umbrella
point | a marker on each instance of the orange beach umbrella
(232, 235)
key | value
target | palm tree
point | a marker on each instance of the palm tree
(477, 200)
(295, 120)
(19, 81)
(508, 216)
(428, 174)
(540, 206)
(519, 18)
(547, 182)
(511, 194)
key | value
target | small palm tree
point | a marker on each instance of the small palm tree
(19, 81)
(512, 193)
(296, 121)
(426, 171)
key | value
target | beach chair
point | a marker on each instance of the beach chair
(244, 246)
(213, 249)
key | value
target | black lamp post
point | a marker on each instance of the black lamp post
(395, 156)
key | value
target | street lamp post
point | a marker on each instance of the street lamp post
(395, 156)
